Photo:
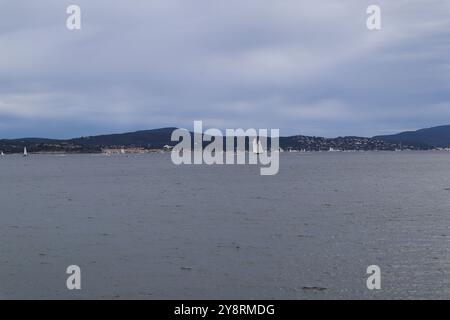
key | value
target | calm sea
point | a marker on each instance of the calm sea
(141, 227)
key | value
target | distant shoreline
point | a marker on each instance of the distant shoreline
(163, 151)
(437, 138)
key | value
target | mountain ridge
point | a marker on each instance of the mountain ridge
(422, 139)
(433, 137)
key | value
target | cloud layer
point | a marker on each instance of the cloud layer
(299, 65)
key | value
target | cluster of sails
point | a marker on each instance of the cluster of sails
(257, 146)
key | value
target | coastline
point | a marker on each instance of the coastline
(160, 151)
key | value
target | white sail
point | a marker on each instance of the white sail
(257, 146)
(25, 153)
(260, 147)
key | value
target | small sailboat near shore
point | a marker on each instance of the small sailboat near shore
(25, 152)
(257, 146)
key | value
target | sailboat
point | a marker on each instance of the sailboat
(2, 154)
(257, 146)
(25, 153)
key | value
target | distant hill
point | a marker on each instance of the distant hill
(151, 139)
(340, 143)
(148, 139)
(438, 137)
(158, 138)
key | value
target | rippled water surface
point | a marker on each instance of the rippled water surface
(140, 227)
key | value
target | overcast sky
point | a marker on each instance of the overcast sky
(306, 67)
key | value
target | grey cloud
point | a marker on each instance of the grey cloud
(303, 66)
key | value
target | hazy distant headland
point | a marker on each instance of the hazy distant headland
(160, 139)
